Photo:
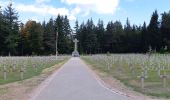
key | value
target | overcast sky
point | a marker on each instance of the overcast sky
(137, 11)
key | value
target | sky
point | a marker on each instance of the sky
(137, 11)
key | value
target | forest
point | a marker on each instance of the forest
(39, 38)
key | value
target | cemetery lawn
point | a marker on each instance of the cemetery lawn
(22, 90)
(29, 71)
(153, 84)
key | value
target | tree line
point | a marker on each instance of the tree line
(35, 38)
(116, 38)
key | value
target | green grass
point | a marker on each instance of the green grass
(153, 83)
(13, 76)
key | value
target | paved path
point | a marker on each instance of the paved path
(75, 82)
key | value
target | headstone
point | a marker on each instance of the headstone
(75, 53)
(5, 72)
(142, 78)
(11, 70)
(22, 73)
(14, 67)
(35, 67)
(145, 71)
(164, 77)
(159, 69)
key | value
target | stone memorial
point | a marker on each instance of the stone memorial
(75, 53)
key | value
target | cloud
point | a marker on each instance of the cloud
(71, 17)
(98, 6)
(3, 4)
(42, 1)
(43, 9)
(40, 9)
(76, 11)
(34, 18)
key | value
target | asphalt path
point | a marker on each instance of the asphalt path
(74, 81)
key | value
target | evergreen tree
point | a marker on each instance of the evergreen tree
(21, 40)
(91, 38)
(81, 36)
(2, 38)
(76, 28)
(68, 35)
(117, 31)
(144, 38)
(165, 29)
(64, 35)
(49, 37)
(66, 27)
(127, 37)
(154, 35)
(100, 36)
(108, 37)
(12, 29)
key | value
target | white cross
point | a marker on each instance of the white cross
(75, 44)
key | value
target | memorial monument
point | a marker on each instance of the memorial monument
(75, 53)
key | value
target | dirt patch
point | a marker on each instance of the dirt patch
(21, 90)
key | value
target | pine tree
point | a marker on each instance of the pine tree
(76, 28)
(127, 31)
(2, 38)
(49, 37)
(100, 36)
(117, 31)
(165, 29)
(154, 35)
(63, 29)
(12, 29)
(144, 38)
(68, 35)
(108, 36)
(91, 38)
(81, 33)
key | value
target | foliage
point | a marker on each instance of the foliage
(35, 38)
(9, 31)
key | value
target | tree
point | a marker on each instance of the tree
(144, 38)
(90, 42)
(12, 29)
(49, 37)
(76, 28)
(32, 34)
(108, 37)
(117, 31)
(100, 36)
(2, 35)
(63, 29)
(127, 37)
(80, 34)
(165, 29)
(68, 35)
(154, 35)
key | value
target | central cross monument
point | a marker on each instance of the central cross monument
(75, 53)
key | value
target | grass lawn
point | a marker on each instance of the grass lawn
(153, 83)
(29, 70)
